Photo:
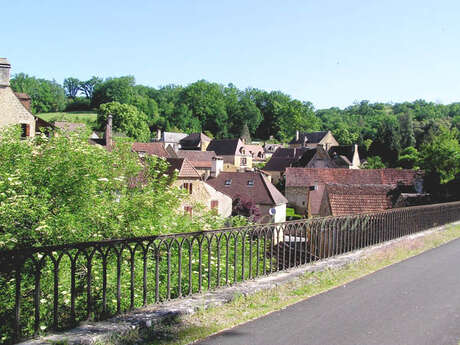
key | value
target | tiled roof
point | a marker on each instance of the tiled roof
(302, 177)
(173, 137)
(250, 185)
(312, 137)
(199, 159)
(225, 147)
(353, 199)
(156, 149)
(183, 165)
(287, 157)
(194, 139)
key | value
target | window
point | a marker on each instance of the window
(214, 204)
(243, 161)
(188, 210)
(250, 183)
(228, 182)
(25, 128)
(188, 186)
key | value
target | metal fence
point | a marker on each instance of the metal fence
(55, 287)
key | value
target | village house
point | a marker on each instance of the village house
(233, 153)
(255, 187)
(201, 193)
(171, 139)
(345, 199)
(156, 149)
(313, 139)
(195, 141)
(269, 149)
(201, 160)
(256, 151)
(12, 109)
(305, 187)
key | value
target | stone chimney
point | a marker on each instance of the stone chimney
(296, 135)
(158, 134)
(108, 133)
(4, 72)
(217, 166)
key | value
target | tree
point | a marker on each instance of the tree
(87, 87)
(126, 118)
(46, 95)
(441, 157)
(406, 126)
(114, 90)
(374, 162)
(409, 158)
(71, 87)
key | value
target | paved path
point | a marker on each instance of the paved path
(414, 302)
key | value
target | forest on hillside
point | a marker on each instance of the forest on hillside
(392, 135)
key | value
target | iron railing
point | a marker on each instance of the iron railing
(55, 287)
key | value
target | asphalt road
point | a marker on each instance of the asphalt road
(414, 302)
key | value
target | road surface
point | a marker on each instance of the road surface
(414, 302)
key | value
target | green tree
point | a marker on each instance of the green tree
(126, 118)
(245, 135)
(114, 90)
(72, 87)
(441, 157)
(374, 162)
(46, 96)
(409, 158)
(87, 87)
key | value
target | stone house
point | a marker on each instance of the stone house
(313, 139)
(305, 187)
(171, 139)
(12, 110)
(233, 153)
(252, 186)
(195, 141)
(256, 151)
(345, 156)
(201, 193)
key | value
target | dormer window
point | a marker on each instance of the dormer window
(250, 183)
(228, 182)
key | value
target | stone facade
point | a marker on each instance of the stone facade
(204, 195)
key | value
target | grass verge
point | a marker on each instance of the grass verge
(190, 328)
(86, 117)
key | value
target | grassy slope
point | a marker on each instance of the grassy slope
(86, 117)
(243, 309)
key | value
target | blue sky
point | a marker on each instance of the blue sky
(331, 53)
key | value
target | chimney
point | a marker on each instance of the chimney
(217, 166)
(4, 72)
(108, 133)
(296, 135)
(158, 134)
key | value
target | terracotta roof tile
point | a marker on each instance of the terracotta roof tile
(260, 190)
(183, 165)
(156, 149)
(299, 177)
(354, 199)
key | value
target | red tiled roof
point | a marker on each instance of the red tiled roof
(354, 199)
(183, 165)
(303, 177)
(156, 149)
(199, 159)
(261, 191)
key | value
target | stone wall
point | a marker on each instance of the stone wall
(297, 198)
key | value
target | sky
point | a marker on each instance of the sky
(331, 53)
